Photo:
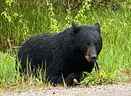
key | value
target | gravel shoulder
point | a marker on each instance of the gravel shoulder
(103, 90)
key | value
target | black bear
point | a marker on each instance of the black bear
(65, 55)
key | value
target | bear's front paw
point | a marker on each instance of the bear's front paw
(72, 79)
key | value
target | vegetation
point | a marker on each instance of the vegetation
(20, 19)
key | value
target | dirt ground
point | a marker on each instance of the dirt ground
(103, 90)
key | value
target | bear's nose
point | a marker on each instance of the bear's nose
(93, 57)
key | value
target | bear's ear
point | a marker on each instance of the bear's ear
(98, 26)
(75, 27)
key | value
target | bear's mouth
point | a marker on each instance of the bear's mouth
(90, 59)
(94, 61)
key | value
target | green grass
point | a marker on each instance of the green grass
(20, 22)
(8, 73)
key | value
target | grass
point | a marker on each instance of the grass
(115, 55)
(18, 22)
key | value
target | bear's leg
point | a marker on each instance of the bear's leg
(54, 76)
(55, 79)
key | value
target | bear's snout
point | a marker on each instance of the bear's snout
(93, 57)
(90, 54)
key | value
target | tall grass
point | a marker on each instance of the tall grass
(22, 19)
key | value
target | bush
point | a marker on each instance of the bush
(8, 67)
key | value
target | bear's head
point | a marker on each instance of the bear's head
(88, 40)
